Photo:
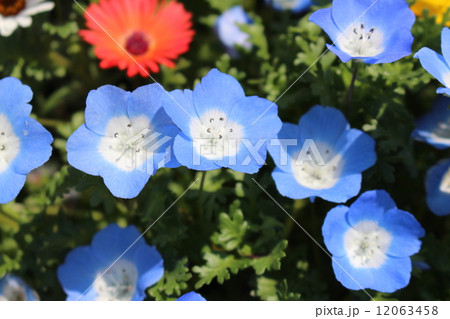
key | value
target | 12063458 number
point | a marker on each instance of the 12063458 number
(407, 310)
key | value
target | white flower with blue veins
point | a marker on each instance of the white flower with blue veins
(438, 65)
(117, 266)
(17, 13)
(374, 31)
(371, 242)
(127, 137)
(24, 143)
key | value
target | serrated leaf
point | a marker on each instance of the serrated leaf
(272, 261)
(173, 282)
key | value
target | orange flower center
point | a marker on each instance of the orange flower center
(11, 7)
(137, 44)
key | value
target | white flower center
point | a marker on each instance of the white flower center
(366, 244)
(13, 291)
(122, 144)
(9, 143)
(361, 41)
(446, 79)
(317, 170)
(445, 183)
(118, 283)
(216, 137)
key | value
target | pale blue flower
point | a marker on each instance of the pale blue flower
(229, 32)
(437, 186)
(13, 288)
(295, 6)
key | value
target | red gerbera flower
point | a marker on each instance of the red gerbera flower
(149, 32)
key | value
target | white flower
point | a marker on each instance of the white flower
(15, 13)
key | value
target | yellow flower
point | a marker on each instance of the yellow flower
(435, 7)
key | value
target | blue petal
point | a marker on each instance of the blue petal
(191, 296)
(35, 147)
(146, 100)
(347, 12)
(10, 184)
(15, 98)
(394, 274)
(445, 43)
(428, 123)
(323, 124)
(357, 150)
(79, 271)
(164, 155)
(371, 205)
(113, 241)
(445, 91)
(229, 31)
(150, 266)
(179, 105)
(247, 161)
(333, 230)
(405, 230)
(82, 151)
(104, 104)
(345, 57)
(438, 202)
(255, 113)
(323, 18)
(434, 63)
(124, 184)
(398, 46)
(217, 90)
(186, 155)
(390, 16)
(348, 186)
(290, 143)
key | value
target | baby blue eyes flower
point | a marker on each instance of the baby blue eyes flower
(374, 31)
(229, 32)
(220, 126)
(371, 242)
(295, 6)
(126, 138)
(321, 156)
(437, 186)
(24, 143)
(13, 288)
(139, 268)
(438, 65)
(191, 296)
(434, 127)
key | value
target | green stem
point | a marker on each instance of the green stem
(200, 193)
(351, 89)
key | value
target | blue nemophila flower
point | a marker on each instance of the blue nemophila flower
(191, 296)
(24, 143)
(321, 156)
(229, 32)
(220, 126)
(437, 186)
(371, 242)
(13, 288)
(434, 127)
(292, 5)
(126, 138)
(374, 31)
(438, 65)
(87, 273)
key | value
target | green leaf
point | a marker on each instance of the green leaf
(272, 261)
(218, 266)
(232, 228)
(173, 282)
